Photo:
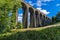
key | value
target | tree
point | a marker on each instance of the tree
(14, 19)
(54, 19)
(19, 25)
(58, 17)
(5, 7)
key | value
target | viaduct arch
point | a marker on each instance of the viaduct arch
(37, 18)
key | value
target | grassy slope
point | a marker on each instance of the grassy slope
(51, 32)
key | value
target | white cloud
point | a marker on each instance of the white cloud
(20, 14)
(57, 4)
(39, 8)
(30, 2)
(20, 17)
(47, 0)
(44, 11)
(38, 3)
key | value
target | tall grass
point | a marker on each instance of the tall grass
(52, 33)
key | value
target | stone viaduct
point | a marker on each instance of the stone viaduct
(37, 18)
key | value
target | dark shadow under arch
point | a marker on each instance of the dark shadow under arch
(40, 15)
(31, 10)
(37, 18)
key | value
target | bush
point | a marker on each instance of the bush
(19, 25)
(4, 29)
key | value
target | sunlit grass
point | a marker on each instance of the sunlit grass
(51, 32)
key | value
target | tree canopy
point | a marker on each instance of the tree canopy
(8, 7)
(56, 18)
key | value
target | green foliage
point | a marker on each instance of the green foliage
(19, 26)
(56, 18)
(17, 5)
(45, 34)
(5, 20)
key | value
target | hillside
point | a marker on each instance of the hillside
(51, 32)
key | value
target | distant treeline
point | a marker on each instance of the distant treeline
(56, 18)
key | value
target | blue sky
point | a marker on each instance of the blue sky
(49, 7)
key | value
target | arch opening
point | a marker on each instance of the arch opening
(31, 12)
(40, 15)
(37, 18)
(22, 15)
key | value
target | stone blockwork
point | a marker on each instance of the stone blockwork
(37, 18)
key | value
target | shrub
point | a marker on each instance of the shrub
(19, 25)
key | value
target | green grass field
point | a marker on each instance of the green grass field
(51, 32)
